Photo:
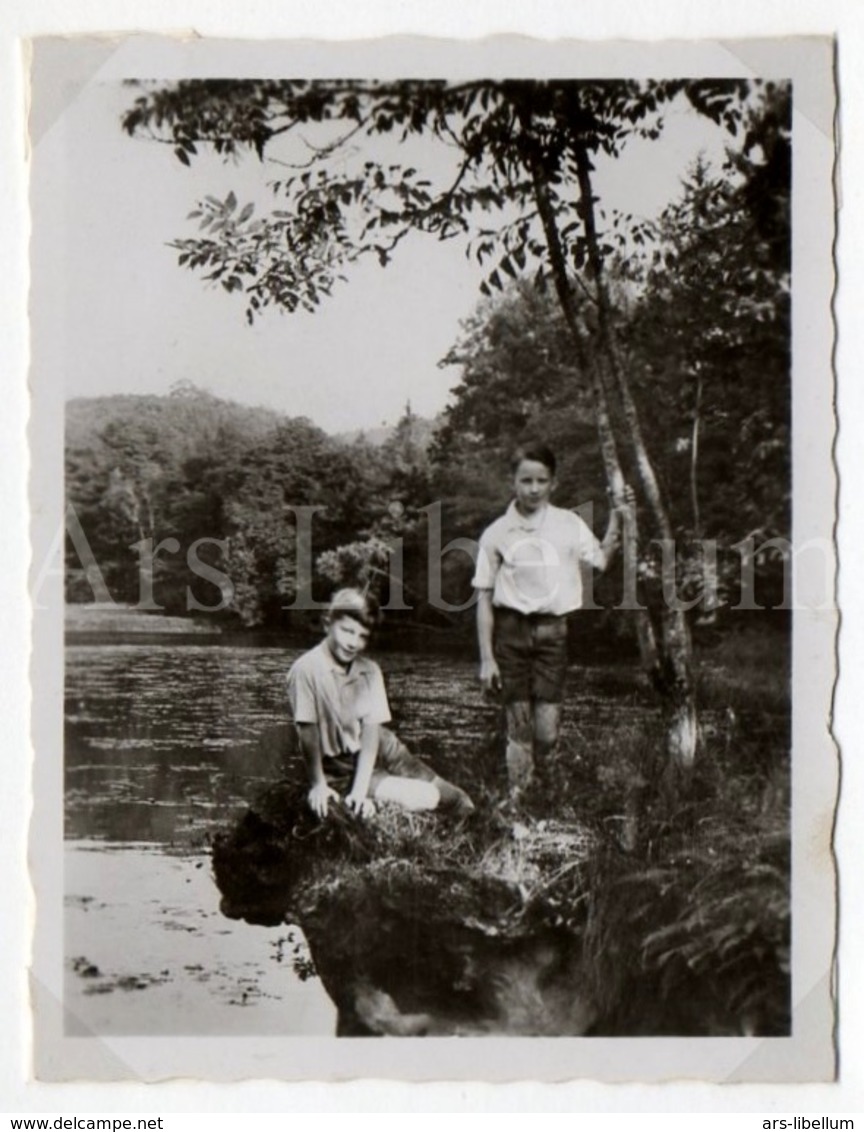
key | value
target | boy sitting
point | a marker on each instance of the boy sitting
(338, 704)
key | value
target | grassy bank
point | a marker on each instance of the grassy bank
(109, 618)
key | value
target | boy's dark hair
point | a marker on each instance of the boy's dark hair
(539, 453)
(350, 602)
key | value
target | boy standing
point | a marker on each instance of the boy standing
(528, 578)
(339, 704)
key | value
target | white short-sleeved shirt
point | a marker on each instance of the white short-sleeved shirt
(532, 563)
(339, 700)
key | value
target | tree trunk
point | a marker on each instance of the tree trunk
(673, 674)
(645, 633)
(694, 455)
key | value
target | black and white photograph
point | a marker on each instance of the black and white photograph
(433, 564)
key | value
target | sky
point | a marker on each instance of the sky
(128, 319)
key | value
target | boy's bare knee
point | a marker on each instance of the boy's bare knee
(518, 716)
(520, 765)
(409, 793)
(547, 722)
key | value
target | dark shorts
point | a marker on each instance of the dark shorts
(531, 651)
(393, 758)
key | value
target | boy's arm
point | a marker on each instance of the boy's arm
(320, 792)
(610, 541)
(490, 677)
(358, 800)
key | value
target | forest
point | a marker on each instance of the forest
(702, 314)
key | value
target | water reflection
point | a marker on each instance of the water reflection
(164, 743)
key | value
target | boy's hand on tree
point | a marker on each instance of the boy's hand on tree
(361, 805)
(319, 797)
(625, 501)
(490, 677)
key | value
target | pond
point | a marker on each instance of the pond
(165, 744)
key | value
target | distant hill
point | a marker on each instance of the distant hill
(87, 417)
(424, 429)
(189, 406)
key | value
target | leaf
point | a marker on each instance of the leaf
(246, 213)
(181, 155)
(230, 201)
